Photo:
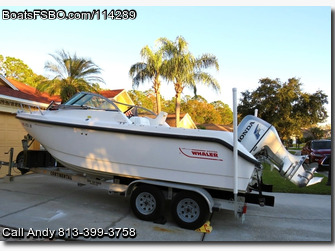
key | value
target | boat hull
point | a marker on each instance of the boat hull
(171, 154)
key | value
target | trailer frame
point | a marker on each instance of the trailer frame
(197, 198)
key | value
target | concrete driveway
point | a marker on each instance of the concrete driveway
(38, 202)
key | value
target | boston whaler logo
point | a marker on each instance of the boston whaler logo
(200, 154)
(245, 132)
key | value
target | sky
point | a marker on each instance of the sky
(250, 42)
(251, 39)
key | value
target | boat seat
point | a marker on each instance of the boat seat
(160, 119)
(139, 121)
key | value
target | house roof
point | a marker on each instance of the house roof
(184, 118)
(6, 82)
(171, 118)
(215, 127)
(15, 89)
(26, 92)
(111, 93)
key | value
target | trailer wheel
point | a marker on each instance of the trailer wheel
(147, 202)
(189, 210)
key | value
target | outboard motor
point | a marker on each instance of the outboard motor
(261, 139)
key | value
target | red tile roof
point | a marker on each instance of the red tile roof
(27, 92)
(110, 93)
(30, 93)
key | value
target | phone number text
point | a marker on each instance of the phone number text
(97, 233)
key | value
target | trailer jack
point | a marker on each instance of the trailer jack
(9, 177)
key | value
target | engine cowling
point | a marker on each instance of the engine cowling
(262, 140)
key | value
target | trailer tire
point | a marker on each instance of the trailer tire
(189, 210)
(147, 202)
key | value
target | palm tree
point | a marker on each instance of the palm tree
(72, 74)
(148, 70)
(184, 70)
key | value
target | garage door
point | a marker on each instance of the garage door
(11, 134)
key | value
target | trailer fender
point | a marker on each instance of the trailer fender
(199, 190)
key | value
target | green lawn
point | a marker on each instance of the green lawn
(281, 185)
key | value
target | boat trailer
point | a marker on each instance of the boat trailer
(41, 162)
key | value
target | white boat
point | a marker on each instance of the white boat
(99, 137)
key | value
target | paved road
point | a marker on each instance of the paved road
(39, 202)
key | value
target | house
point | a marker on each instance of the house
(15, 95)
(119, 95)
(308, 134)
(185, 121)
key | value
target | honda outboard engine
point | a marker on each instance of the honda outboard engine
(261, 139)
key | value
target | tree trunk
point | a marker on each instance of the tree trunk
(178, 89)
(158, 102)
(156, 87)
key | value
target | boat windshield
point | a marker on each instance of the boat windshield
(86, 100)
(91, 101)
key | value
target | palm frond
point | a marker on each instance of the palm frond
(207, 60)
(208, 80)
(71, 73)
